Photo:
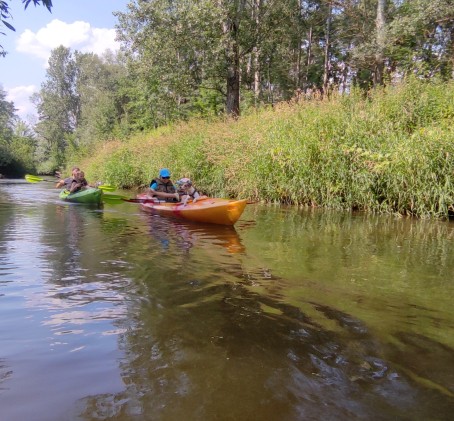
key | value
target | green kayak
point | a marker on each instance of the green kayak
(89, 195)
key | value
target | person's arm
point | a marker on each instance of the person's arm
(164, 195)
(74, 186)
(64, 182)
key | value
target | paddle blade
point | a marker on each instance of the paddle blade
(33, 178)
(111, 201)
(106, 187)
(114, 196)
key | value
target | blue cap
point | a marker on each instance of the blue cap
(164, 172)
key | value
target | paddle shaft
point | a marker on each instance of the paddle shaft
(36, 179)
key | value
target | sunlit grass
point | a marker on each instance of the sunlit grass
(390, 152)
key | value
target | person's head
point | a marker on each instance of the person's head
(79, 175)
(74, 171)
(164, 175)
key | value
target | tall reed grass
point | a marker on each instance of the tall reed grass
(391, 151)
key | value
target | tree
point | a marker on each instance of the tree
(7, 119)
(421, 38)
(17, 144)
(6, 14)
(58, 107)
(380, 41)
(98, 85)
(23, 146)
(171, 49)
(79, 104)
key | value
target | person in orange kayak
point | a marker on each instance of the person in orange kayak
(163, 188)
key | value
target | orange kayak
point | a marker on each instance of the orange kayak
(209, 210)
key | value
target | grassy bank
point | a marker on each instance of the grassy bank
(390, 152)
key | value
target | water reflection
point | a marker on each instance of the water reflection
(241, 355)
(292, 315)
(227, 342)
(186, 235)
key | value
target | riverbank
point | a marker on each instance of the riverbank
(390, 152)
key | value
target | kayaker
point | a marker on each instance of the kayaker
(79, 182)
(163, 188)
(66, 182)
(83, 180)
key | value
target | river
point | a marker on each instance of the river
(115, 314)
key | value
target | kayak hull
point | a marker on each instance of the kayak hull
(209, 210)
(84, 196)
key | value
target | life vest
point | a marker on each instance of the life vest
(164, 188)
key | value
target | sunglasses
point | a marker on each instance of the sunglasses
(165, 178)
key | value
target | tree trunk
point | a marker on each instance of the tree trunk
(309, 56)
(232, 105)
(232, 56)
(452, 52)
(379, 56)
(327, 46)
(256, 53)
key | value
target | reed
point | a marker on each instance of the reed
(391, 151)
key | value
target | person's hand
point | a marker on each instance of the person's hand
(177, 196)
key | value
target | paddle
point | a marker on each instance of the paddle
(106, 187)
(36, 179)
(116, 199)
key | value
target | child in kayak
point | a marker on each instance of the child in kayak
(78, 183)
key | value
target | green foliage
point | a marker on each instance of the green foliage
(390, 152)
(17, 143)
(80, 104)
(420, 37)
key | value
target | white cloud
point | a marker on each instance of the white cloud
(20, 95)
(79, 36)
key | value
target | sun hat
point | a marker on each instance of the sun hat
(164, 172)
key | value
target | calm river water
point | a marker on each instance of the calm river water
(114, 314)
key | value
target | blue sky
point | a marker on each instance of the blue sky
(84, 25)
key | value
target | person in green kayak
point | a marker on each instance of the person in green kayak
(66, 182)
(163, 187)
(79, 182)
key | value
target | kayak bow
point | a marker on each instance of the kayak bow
(89, 195)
